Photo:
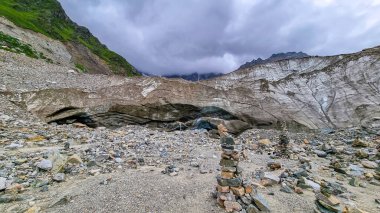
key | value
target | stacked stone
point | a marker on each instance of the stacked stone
(284, 141)
(230, 182)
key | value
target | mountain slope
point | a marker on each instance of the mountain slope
(48, 17)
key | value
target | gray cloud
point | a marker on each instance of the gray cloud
(170, 36)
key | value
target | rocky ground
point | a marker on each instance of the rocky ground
(73, 168)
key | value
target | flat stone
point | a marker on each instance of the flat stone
(313, 184)
(252, 209)
(227, 196)
(3, 183)
(224, 189)
(239, 191)
(194, 164)
(45, 165)
(360, 143)
(74, 159)
(300, 173)
(369, 164)
(229, 182)
(228, 163)
(330, 200)
(247, 200)
(227, 175)
(272, 178)
(320, 153)
(228, 169)
(355, 170)
(59, 177)
(232, 206)
(285, 188)
(20, 161)
(260, 202)
(336, 208)
(227, 140)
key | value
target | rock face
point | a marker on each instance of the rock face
(309, 93)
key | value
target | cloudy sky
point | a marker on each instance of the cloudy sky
(185, 36)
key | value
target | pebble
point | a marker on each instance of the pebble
(320, 153)
(274, 165)
(59, 177)
(45, 164)
(3, 183)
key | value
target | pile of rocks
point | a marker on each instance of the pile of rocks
(232, 192)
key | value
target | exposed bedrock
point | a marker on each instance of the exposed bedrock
(308, 93)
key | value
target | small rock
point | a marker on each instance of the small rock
(285, 188)
(238, 191)
(232, 206)
(320, 153)
(260, 202)
(229, 182)
(362, 154)
(45, 165)
(274, 165)
(264, 142)
(354, 182)
(369, 164)
(252, 209)
(360, 143)
(3, 183)
(194, 164)
(224, 189)
(118, 160)
(62, 201)
(74, 159)
(59, 177)
(298, 190)
(173, 174)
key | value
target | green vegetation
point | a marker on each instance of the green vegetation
(47, 17)
(12, 44)
(80, 67)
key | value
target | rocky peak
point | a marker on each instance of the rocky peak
(274, 57)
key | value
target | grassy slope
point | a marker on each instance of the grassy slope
(47, 17)
(12, 44)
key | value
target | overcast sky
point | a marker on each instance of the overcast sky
(185, 36)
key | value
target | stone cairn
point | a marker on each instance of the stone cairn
(283, 141)
(232, 192)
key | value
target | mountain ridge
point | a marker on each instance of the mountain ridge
(274, 57)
